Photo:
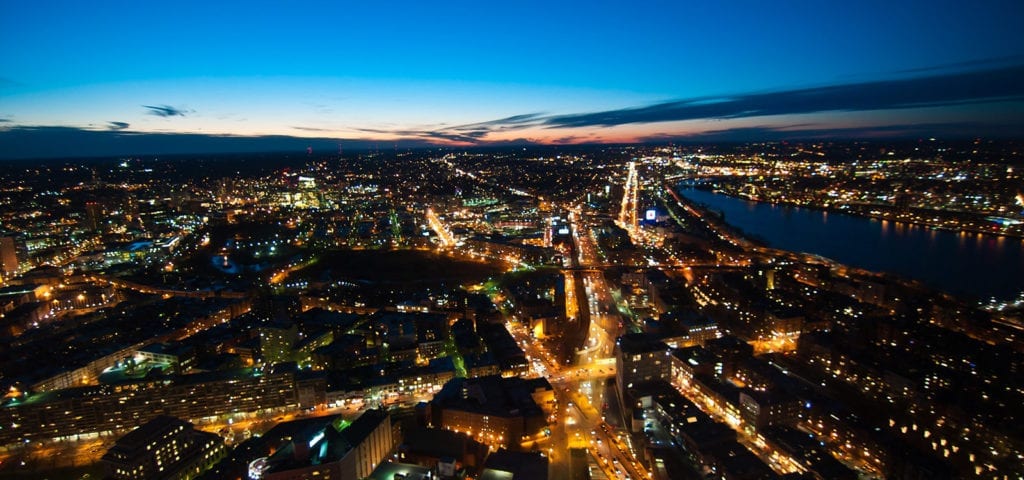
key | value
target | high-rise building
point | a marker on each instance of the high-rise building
(165, 448)
(640, 358)
(277, 340)
(94, 213)
(9, 261)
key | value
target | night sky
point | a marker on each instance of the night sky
(112, 78)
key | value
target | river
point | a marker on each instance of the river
(982, 266)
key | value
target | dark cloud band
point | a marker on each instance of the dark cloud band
(1002, 83)
(941, 90)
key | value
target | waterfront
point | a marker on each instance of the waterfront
(983, 266)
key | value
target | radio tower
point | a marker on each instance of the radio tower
(628, 213)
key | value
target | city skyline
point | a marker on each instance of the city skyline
(474, 240)
(835, 310)
(132, 79)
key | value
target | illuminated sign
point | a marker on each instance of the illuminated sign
(316, 438)
(651, 214)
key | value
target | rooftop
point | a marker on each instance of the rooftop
(634, 343)
(327, 442)
(492, 395)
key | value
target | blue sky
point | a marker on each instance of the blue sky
(417, 72)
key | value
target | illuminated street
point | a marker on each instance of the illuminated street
(583, 298)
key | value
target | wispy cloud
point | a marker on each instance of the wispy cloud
(481, 130)
(471, 133)
(165, 111)
(443, 135)
(522, 119)
(118, 125)
(311, 129)
(969, 64)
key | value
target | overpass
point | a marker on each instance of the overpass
(141, 288)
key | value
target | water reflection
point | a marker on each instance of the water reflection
(964, 263)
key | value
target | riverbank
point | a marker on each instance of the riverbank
(972, 266)
(887, 213)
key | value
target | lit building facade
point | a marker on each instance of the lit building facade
(113, 408)
(165, 448)
(493, 410)
(640, 358)
(9, 262)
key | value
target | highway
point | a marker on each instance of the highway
(582, 387)
(443, 235)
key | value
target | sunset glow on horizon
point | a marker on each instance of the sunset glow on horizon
(533, 73)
